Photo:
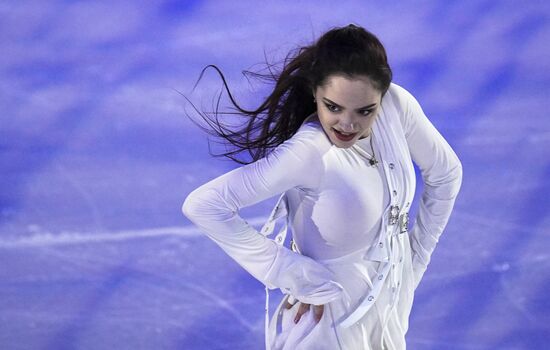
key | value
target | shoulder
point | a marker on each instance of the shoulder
(403, 100)
(310, 137)
(405, 103)
(299, 159)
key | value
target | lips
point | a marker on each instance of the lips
(343, 137)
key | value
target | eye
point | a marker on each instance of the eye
(332, 108)
(366, 112)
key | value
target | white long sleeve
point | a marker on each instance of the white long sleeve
(214, 207)
(442, 176)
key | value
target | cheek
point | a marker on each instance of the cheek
(368, 123)
(327, 120)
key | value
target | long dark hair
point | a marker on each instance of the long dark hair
(349, 50)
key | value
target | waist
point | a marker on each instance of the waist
(362, 254)
(354, 256)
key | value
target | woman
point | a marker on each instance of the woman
(344, 140)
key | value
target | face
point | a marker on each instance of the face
(347, 108)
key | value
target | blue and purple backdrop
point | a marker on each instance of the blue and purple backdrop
(97, 156)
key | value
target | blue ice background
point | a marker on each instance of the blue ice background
(96, 157)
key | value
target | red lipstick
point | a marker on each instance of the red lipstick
(343, 137)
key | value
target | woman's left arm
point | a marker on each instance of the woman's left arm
(441, 173)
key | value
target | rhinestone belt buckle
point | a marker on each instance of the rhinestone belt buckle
(404, 222)
(394, 214)
(397, 218)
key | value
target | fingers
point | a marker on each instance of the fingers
(302, 309)
(318, 311)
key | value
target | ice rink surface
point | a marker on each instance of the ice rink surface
(97, 156)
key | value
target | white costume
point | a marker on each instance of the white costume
(352, 250)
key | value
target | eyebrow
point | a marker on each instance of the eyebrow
(337, 105)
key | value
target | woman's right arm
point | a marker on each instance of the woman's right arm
(214, 207)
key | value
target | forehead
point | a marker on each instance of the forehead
(352, 91)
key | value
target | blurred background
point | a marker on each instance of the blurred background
(97, 156)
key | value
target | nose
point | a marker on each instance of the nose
(346, 125)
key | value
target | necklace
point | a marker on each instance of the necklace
(371, 158)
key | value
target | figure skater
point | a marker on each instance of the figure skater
(336, 140)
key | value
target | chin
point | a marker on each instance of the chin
(342, 144)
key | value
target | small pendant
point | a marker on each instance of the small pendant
(373, 162)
